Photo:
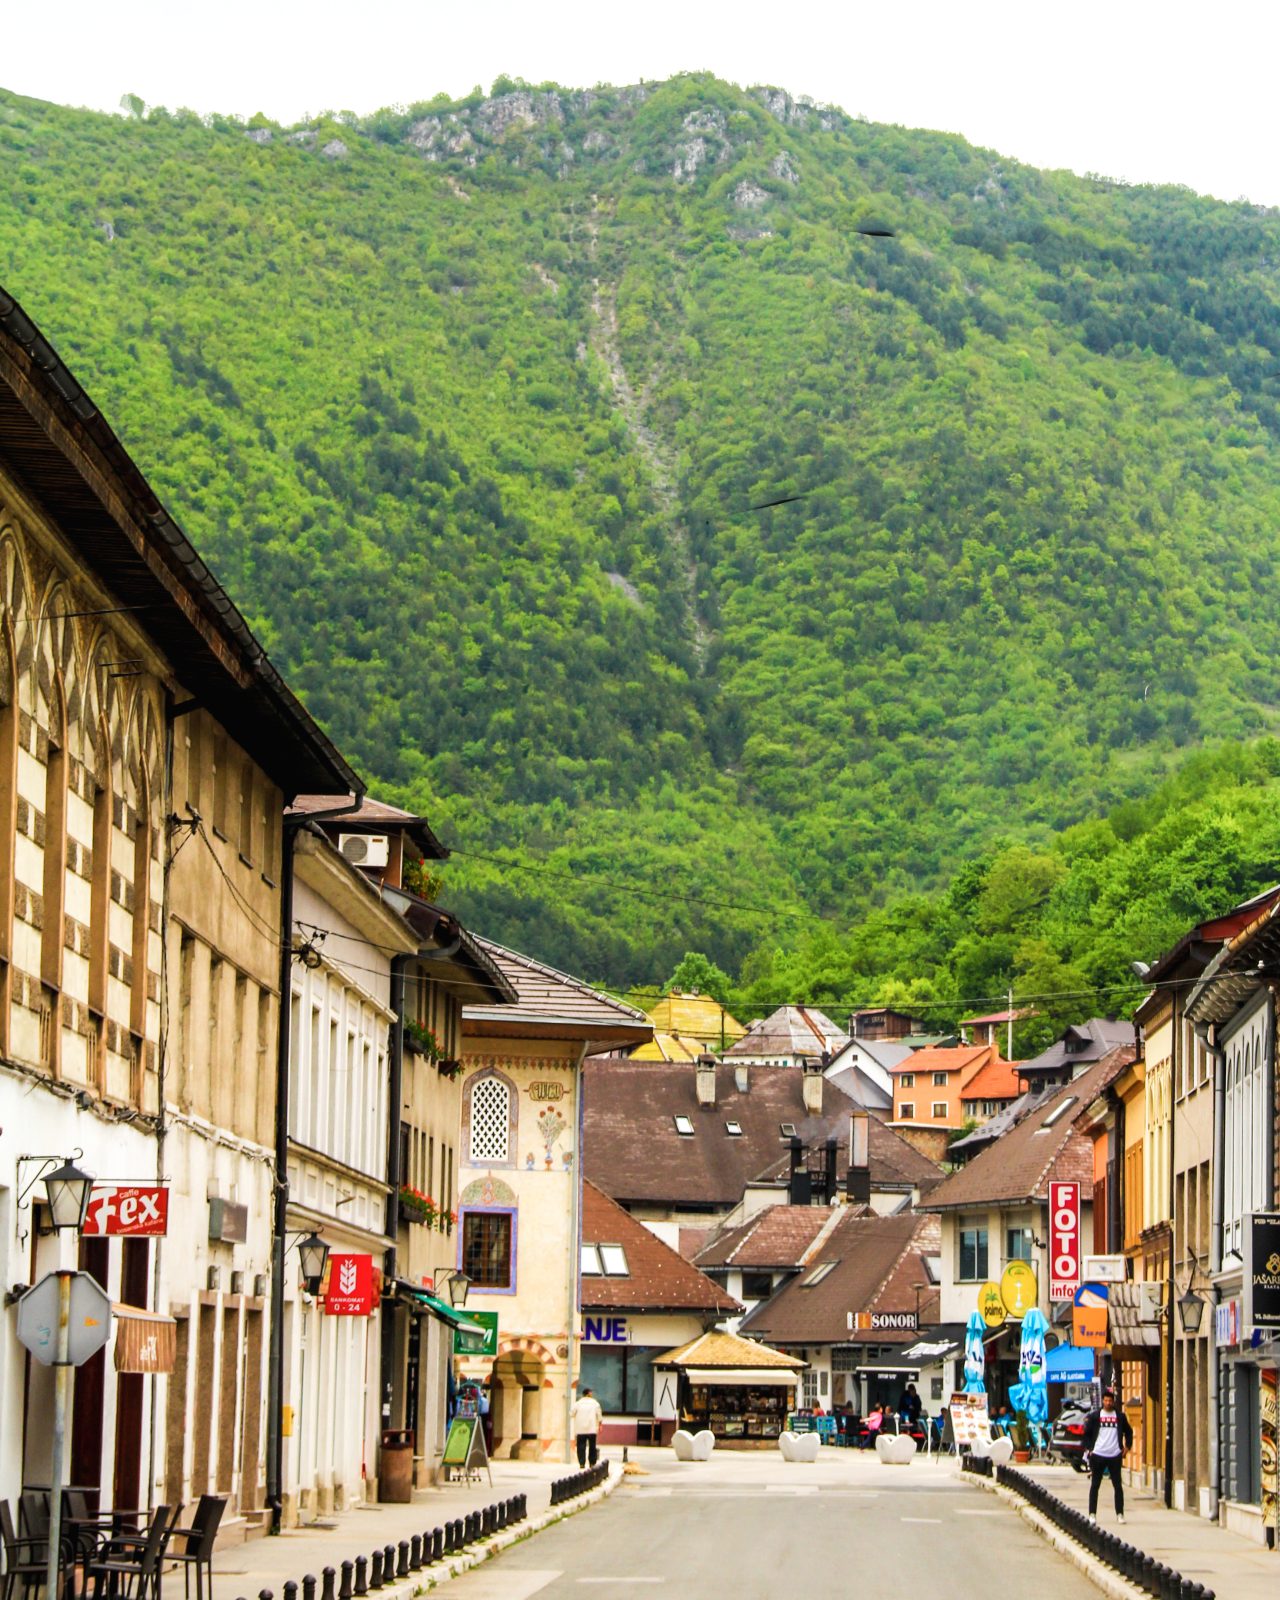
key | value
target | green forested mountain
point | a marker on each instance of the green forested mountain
(468, 405)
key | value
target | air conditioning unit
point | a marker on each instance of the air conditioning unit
(365, 849)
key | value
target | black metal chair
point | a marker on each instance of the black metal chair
(130, 1565)
(198, 1542)
(25, 1560)
(33, 1513)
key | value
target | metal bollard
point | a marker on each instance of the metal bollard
(415, 1552)
(309, 1587)
(375, 1570)
(362, 1575)
(344, 1587)
(402, 1559)
(327, 1575)
(290, 1590)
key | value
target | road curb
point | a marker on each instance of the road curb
(487, 1549)
(1098, 1573)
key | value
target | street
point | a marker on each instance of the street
(751, 1526)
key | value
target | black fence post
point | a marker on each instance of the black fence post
(309, 1587)
(362, 1575)
(402, 1559)
(327, 1576)
(344, 1587)
(375, 1570)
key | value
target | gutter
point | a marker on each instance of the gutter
(575, 1255)
(395, 1096)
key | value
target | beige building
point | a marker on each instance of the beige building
(146, 747)
(519, 1207)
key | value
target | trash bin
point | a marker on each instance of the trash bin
(395, 1469)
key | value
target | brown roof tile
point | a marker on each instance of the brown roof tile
(658, 1277)
(554, 1005)
(779, 1236)
(717, 1349)
(878, 1262)
(1019, 1164)
(632, 1150)
(790, 1031)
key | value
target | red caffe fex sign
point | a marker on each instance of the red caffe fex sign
(129, 1210)
(350, 1290)
(1064, 1240)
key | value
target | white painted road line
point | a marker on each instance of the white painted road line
(622, 1580)
(919, 1519)
(961, 1512)
(791, 1488)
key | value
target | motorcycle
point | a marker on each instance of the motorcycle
(1067, 1437)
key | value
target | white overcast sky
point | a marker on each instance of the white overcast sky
(1164, 92)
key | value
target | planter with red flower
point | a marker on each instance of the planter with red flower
(418, 1207)
(420, 1038)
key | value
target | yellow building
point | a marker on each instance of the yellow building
(520, 1177)
(685, 1025)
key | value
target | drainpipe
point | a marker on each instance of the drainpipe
(1210, 1037)
(1171, 1293)
(275, 1353)
(575, 1256)
(395, 1095)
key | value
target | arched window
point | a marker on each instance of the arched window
(491, 1132)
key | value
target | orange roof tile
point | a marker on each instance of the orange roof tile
(998, 1080)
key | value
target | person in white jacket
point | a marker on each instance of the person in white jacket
(585, 1420)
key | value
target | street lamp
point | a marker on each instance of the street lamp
(456, 1283)
(68, 1190)
(313, 1252)
(1190, 1312)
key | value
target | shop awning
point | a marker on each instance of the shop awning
(146, 1341)
(1069, 1363)
(743, 1377)
(441, 1308)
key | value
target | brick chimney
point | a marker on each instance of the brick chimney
(742, 1077)
(812, 1083)
(705, 1079)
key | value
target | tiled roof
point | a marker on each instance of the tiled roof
(998, 1080)
(371, 816)
(790, 1031)
(779, 1236)
(1018, 1165)
(695, 1017)
(1095, 1038)
(668, 1047)
(878, 1261)
(555, 1004)
(632, 1150)
(941, 1058)
(726, 1350)
(658, 1278)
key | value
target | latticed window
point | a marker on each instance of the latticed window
(490, 1120)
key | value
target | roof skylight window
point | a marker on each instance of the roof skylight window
(614, 1260)
(733, 1128)
(818, 1274)
(684, 1127)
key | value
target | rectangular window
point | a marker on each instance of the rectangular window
(941, 1079)
(757, 1285)
(908, 1080)
(613, 1258)
(940, 1108)
(620, 1378)
(590, 1261)
(973, 1250)
(1017, 1244)
(684, 1127)
(906, 1111)
(486, 1249)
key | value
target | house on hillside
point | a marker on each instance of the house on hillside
(688, 1146)
(754, 1258)
(882, 1022)
(639, 1298)
(995, 1210)
(863, 1070)
(1079, 1047)
(990, 1090)
(684, 1025)
(788, 1037)
(929, 1088)
(520, 1185)
(996, 1027)
(866, 1288)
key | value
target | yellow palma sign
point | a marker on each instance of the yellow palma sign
(1018, 1289)
(991, 1305)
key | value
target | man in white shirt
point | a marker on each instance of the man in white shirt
(585, 1421)
(1107, 1435)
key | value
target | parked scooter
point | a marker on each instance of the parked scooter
(1067, 1438)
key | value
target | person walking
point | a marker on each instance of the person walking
(586, 1419)
(1107, 1437)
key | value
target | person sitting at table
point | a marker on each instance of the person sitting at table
(872, 1426)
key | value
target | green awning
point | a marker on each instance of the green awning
(446, 1313)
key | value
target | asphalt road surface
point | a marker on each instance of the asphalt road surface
(751, 1527)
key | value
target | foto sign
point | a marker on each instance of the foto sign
(1064, 1241)
(1262, 1270)
(88, 1319)
(132, 1211)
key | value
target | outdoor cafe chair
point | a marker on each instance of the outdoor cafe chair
(25, 1559)
(198, 1542)
(129, 1565)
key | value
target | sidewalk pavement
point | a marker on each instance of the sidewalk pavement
(269, 1562)
(1233, 1567)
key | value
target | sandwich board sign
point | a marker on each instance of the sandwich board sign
(464, 1451)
